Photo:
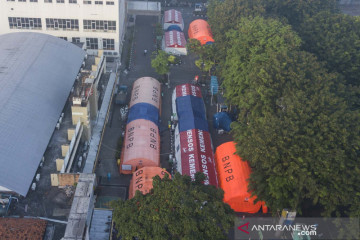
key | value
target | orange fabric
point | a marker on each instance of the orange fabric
(146, 90)
(142, 179)
(233, 175)
(200, 30)
(141, 147)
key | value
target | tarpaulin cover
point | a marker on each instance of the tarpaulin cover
(187, 89)
(233, 174)
(214, 85)
(222, 120)
(191, 113)
(146, 90)
(174, 28)
(142, 179)
(141, 147)
(175, 39)
(197, 155)
(199, 29)
(144, 111)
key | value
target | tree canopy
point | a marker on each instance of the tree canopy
(160, 62)
(335, 39)
(295, 126)
(175, 209)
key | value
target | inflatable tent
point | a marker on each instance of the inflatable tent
(146, 90)
(173, 18)
(174, 43)
(142, 179)
(144, 111)
(233, 174)
(141, 147)
(199, 29)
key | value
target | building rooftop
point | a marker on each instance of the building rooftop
(22, 228)
(37, 72)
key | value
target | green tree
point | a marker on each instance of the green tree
(206, 54)
(308, 146)
(335, 39)
(175, 209)
(295, 126)
(159, 62)
(252, 70)
(224, 16)
(296, 12)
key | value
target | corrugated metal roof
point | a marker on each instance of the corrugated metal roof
(101, 224)
(37, 72)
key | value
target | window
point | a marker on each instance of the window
(64, 38)
(73, 1)
(98, 2)
(109, 3)
(48, 1)
(108, 44)
(60, 1)
(10, 0)
(21, 0)
(99, 25)
(62, 24)
(33, 0)
(25, 23)
(178, 148)
(75, 39)
(86, 2)
(92, 43)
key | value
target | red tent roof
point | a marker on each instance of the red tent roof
(187, 89)
(197, 155)
(172, 16)
(175, 39)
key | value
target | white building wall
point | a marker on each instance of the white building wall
(66, 10)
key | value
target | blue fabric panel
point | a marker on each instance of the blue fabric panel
(190, 105)
(191, 113)
(190, 122)
(144, 111)
(214, 85)
(174, 27)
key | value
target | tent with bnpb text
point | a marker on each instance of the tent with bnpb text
(233, 174)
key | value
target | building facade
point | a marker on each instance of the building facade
(100, 24)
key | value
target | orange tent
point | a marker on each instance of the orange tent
(142, 179)
(141, 147)
(200, 30)
(146, 90)
(233, 175)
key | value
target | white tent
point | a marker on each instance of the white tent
(174, 43)
(173, 17)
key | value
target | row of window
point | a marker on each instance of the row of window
(92, 43)
(87, 2)
(99, 25)
(61, 24)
